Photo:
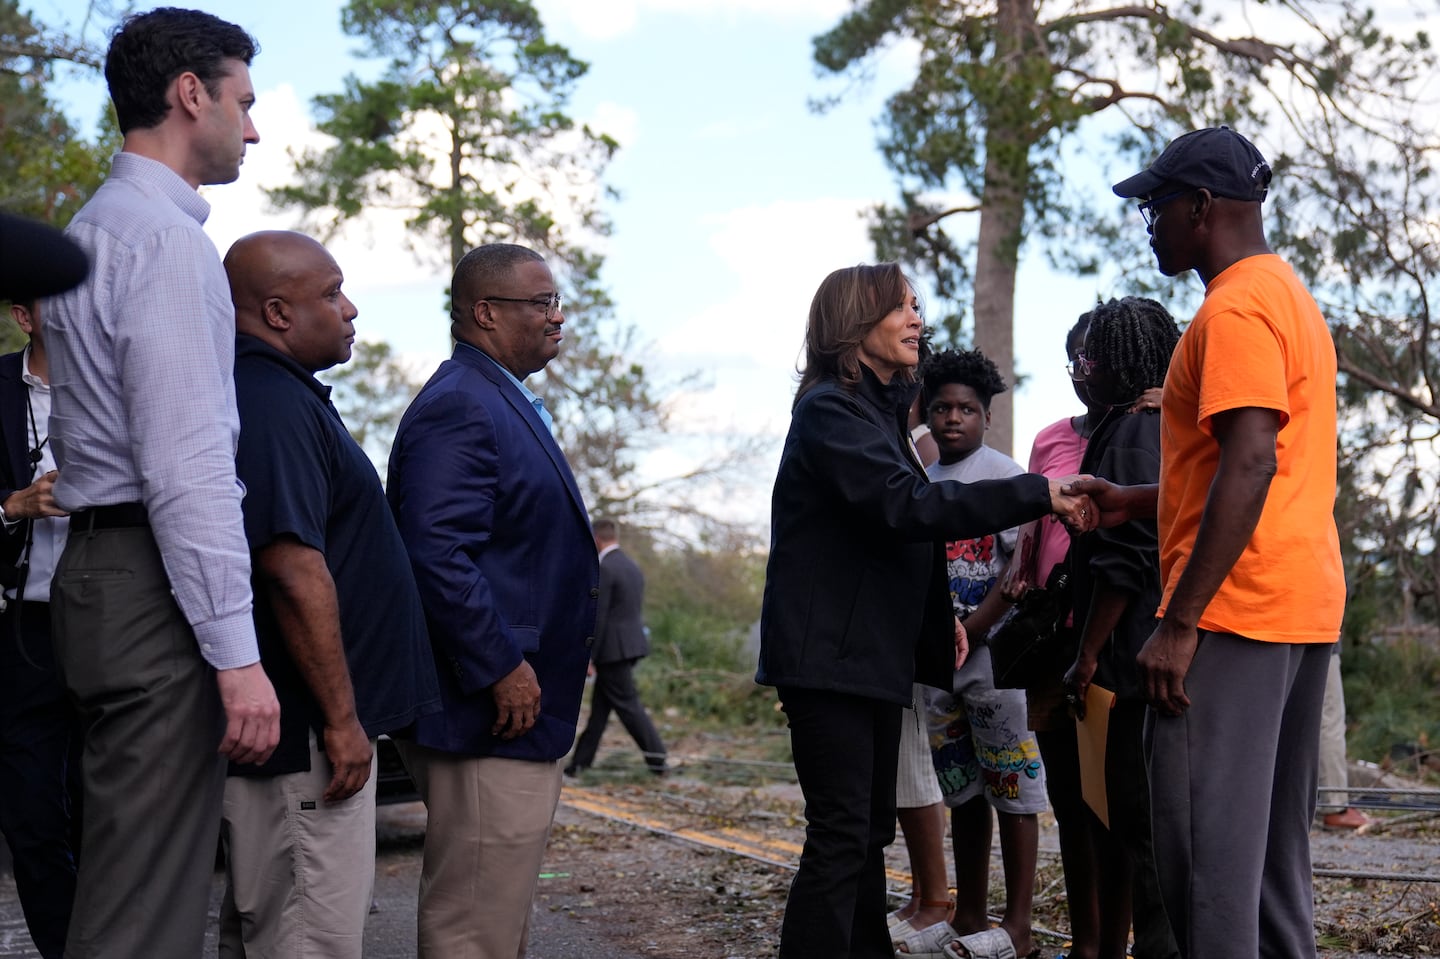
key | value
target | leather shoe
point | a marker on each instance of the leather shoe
(1346, 819)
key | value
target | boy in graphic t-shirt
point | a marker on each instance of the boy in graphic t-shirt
(983, 753)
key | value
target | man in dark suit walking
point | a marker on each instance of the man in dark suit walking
(620, 642)
(500, 544)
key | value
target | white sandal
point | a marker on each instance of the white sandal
(927, 943)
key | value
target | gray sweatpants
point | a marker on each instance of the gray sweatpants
(1232, 785)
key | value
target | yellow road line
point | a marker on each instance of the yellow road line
(732, 839)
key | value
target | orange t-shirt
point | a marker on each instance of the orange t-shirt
(1258, 340)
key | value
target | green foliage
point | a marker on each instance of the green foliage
(466, 132)
(1390, 692)
(1003, 87)
(371, 393)
(700, 605)
(1359, 218)
(47, 169)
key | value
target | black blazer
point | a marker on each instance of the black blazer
(619, 621)
(14, 455)
(855, 594)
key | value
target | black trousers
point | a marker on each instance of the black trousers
(38, 738)
(847, 751)
(615, 692)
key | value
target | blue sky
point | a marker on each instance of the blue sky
(736, 199)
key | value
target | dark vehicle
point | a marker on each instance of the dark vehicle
(392, 781)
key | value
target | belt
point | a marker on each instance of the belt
(114, 516)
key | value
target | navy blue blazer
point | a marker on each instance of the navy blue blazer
(500, 543)
(14, 453)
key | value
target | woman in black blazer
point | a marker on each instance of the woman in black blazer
(856, 606)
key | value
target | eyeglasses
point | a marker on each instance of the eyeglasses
(1148, 207)
(549, 303)
(1080, 367)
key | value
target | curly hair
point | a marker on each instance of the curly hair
(968, 368)
(1132, 339)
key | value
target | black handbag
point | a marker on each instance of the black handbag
(1026, 643)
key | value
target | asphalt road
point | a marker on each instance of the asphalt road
(390, 932)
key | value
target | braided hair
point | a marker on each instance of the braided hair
(1132, 338)
(968, 368)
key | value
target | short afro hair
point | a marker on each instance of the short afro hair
(968, 368)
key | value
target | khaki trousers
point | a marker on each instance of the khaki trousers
(1333, 771)
(488, 820)
(300, 870)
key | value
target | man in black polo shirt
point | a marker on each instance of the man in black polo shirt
(341, 630)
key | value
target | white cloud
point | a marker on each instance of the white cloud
(371, 253)
(771, 258)
(615, 120)
(778, 254)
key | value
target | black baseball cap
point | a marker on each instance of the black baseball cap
(37, 260)
(1215, 158)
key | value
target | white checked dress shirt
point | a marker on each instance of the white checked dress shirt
(143, 398)
(48, 537)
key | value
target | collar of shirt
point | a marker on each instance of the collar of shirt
(608, 550)
(133, 166)
(31, 380)
(247, 345)
(531, 398)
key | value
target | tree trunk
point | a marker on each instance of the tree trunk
(457, 217)
(1002, 214)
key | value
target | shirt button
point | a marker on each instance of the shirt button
(207, 647)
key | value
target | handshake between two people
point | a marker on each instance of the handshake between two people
(1072, 505)
(1101, 502)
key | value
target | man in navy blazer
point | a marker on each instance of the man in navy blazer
(502, 552)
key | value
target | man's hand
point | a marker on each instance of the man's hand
(350, 754)
(517, 698)
(962, 643)
(1072, 506)
(252, 714)
(36, 501)
(1113, 504)
(1077, 682)
(1164, 661)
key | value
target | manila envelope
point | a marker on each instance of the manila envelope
(1090, 733)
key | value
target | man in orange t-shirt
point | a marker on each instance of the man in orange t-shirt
(1254, 590)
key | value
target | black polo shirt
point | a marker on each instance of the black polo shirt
(306, 477)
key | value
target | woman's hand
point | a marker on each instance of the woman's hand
(1072, 506)
(1149, 400)
(962, 643)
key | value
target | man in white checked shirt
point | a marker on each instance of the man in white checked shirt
(151, 601)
